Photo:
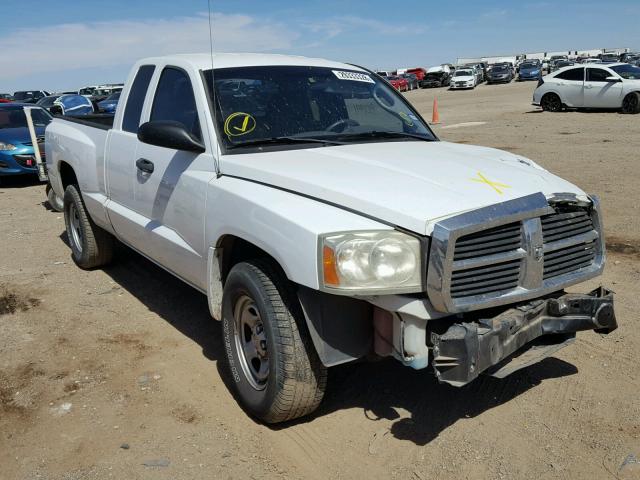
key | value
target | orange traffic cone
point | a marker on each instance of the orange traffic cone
(435, 119)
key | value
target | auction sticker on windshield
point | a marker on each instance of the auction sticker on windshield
(239, 123)
(355, 76)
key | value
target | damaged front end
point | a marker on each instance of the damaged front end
(517, 337)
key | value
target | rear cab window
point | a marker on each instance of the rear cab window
(135, 100)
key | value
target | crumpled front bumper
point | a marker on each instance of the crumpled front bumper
(518, 337)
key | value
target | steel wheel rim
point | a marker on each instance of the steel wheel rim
(251, 342)
(74, 224)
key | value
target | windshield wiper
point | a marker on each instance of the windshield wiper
(283, 141)
(376, 134)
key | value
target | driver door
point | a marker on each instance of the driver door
(599, 92)
(171, 195)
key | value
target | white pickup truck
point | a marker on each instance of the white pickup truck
(326, 223)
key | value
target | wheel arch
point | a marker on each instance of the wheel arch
(340, 326)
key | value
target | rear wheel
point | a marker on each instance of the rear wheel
(275, 369)
(631, 103)
(91, 246)
(551, 103)
(55, 202)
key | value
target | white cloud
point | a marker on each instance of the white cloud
(494, 14)
(106, 44)
(339, 25)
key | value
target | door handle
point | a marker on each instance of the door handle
(144, 165)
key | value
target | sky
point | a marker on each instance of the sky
(67, 44)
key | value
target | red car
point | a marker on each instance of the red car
(418, 72)
(5, 98)
(398, 83)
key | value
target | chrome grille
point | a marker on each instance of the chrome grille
(567, 223)
(479, 280)
(513, 251)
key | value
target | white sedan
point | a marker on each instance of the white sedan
(614, 85)
(463, 78)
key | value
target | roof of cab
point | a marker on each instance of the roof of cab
(203, 61)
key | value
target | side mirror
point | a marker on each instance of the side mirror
(56, 110)
(613, 79)
(169, 134)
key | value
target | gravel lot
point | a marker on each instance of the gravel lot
(114, 373)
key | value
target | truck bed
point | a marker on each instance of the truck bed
(98, 120)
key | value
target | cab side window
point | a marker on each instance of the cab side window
(175, 101)
(135, 101)
(597, 75)
(574, 74)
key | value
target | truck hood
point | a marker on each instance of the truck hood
(408, 184)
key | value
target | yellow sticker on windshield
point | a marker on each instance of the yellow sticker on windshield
(406, 119)
(238, 124)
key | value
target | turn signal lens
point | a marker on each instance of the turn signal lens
(329, 267)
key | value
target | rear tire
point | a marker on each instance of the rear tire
(631, 104)
(551, 103)
(276, 372)
(91, 246)
(55, 202)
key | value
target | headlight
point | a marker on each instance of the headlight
(371, 262)
(7, 146)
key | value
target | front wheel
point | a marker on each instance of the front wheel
(551, 103)
(276, 372)
(631, 103)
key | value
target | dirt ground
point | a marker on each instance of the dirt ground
(114, 373)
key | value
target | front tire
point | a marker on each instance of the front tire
(91, 246)
(276, 372)
(551, 103)
(631, 103)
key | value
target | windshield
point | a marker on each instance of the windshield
(271, 102)
(529, 65)
(463, 73)
(114, 96)
(15, 118)
(628, 72)
(499, 68)
(25, 95)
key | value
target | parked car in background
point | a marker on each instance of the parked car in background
(29, 96)
(558, 64)
(615, 86)
(628, 57)
(433, 79)
(398, 83)
(48, 101)
(464, 78)
(87, 91)
(16, 148)
(609, 58)
(530, 70)
(502, 73)
(478, 70)
(5, 97)
(108, 105)
(412, 80)
(385, 73)
(67, 104)
(419, 72)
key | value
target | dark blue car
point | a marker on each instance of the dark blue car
(530, 71)
(16, 149)
(109, 104)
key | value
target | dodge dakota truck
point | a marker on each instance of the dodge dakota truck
(326, 223)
